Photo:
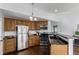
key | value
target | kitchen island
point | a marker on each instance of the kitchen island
(67, 48)
(58, 46)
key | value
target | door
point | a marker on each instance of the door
(19, 38)
(25, 36)
(25, 41)
(19, 42)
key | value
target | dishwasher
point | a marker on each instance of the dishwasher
(76, 46)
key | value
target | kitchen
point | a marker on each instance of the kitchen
(13, 26)
(13, 39)
(46, 34)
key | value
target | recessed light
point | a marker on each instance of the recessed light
(56, 10)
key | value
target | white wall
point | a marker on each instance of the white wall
(1, 32)
(54, 23)
(68, 22)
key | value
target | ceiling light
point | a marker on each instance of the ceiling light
(32, 16)
(56, 10)
(35, 19)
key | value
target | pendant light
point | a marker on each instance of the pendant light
(32, 18)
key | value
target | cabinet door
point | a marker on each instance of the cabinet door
(7, 24)
(33, 26)
(37, 41)
(37, 25)
(27, 23)
(9, 45)
(33, 41)
(18, 22)
(30, 41)
(13, 27)
(46, 22)
(24, 22)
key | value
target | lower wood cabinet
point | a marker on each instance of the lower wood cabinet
(59, 49)
(9, 45)
(34, 40)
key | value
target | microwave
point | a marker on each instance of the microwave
(43, 27)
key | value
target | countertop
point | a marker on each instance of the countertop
(64, 37)
(56, 41)
(9, 37)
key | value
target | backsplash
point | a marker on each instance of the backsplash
(10, 33)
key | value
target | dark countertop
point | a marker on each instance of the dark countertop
(57, 40)
(9, 37)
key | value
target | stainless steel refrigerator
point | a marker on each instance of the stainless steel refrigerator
(22, 37)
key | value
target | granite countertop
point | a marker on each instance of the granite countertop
(55, 41)
(9, 37)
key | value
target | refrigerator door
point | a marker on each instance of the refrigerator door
(25, 36)
(19, 29)
(19, 42)
(25, 29)
(22, 37)
(25, 41)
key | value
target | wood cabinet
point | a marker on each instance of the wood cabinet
(37, 25)
(23, 22)
(13, 25)
(9, 45)
(32, 25)
(59, 50)
(9, 24)
(18, 22)
(34, 40)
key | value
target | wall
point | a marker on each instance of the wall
(68, 22)
(1, 33)
(54, 23)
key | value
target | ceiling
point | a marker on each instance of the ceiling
(60, 7)
(46, 7)
(15, 15)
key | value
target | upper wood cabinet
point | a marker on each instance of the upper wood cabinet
(23, 22)
(13, 25)
(32, 25)
(9, 24)
(37, 25)
(18, 22)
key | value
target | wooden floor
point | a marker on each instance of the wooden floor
(36, 50)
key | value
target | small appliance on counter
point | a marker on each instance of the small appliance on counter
(21, 37)
(31, 32)
(43, 27)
